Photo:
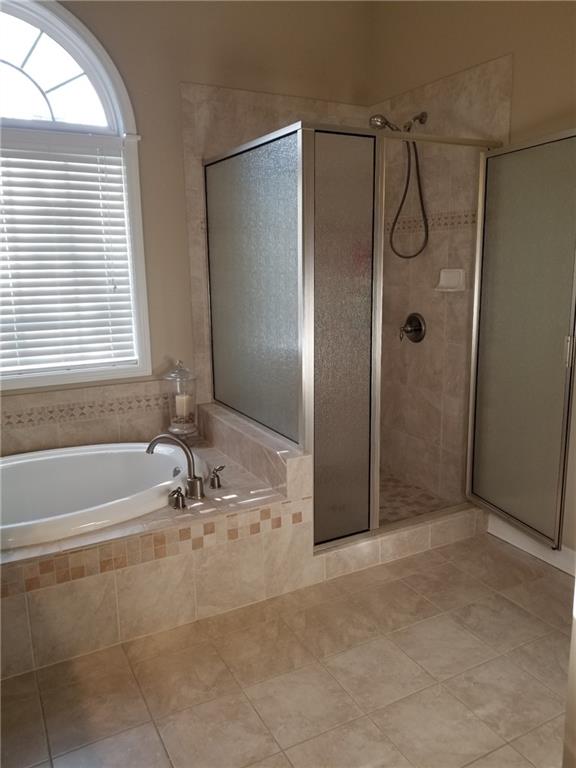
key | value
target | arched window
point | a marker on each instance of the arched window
(73, 293)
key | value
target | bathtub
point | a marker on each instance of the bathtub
(50, 495)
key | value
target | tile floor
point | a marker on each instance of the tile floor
(455, 657)
(400, 500)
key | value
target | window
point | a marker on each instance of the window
(73, 296)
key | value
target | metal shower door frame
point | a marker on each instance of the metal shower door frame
(556, 541)
(307, 133)
(306, 173)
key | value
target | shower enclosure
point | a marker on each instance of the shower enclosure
(294, 221)
(296, 242)
(524, 334)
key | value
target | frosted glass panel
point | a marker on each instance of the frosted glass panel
(525, 316)
(253, 236)
(344, 179)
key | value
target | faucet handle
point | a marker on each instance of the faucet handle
(176, 499)
(215, 481)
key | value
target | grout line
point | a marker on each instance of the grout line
(253, 708)
(143, 697)
(117, 608)
(43, 713)
(30, 635)
(105, 738)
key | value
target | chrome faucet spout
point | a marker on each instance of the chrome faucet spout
(194, 483)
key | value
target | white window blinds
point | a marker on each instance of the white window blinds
(67, 289)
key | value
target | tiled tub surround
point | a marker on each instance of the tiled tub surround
(63, 605)
(444, 659)
(274, 459)
(425, 386)
(36, 421)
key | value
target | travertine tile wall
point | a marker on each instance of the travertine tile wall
(135, 411)
(425, 386)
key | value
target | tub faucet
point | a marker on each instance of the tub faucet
(194, 484)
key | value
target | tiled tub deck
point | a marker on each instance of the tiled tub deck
(453, 657)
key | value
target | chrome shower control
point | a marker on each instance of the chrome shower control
(414, 328)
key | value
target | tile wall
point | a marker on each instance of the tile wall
(425, 386)
(131, 412)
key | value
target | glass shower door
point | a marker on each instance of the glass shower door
(524, 335)
(253, 246)
(343, 262)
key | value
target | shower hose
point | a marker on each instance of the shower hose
(409, 146)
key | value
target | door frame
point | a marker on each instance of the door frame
(556, 541)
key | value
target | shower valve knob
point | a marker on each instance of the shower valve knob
(414, 328)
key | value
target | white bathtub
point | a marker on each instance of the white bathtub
(49, 495)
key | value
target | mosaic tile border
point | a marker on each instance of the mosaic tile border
(48, 571)
(81, 411)
(436, 221)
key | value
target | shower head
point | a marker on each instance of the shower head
(380, 121)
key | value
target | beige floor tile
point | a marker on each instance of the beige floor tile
(544, 746)
(407, 566)
(460, 549)
(447, 586)
(276, 761)
(166, 642)
(332, 626)
(550, 598)
(377, 673)
(397, 569)
(224, 732)
(173, 681)
(359, 744)
(508, 699)
(262, 651)
(85, 669)
(304, 598)
(241, 618)
(434, 730)
(505, 757)
(547, 660)
(137, 748)
(394, 605)
(92, 708)
(495, 563)
(441, 646)
(360, 580)
(23, 740)
(500, 623)
(301, 704)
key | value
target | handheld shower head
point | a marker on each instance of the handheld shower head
(381, 121)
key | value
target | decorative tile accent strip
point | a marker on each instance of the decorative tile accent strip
(83, 411)
(436, 221)
(31, 575)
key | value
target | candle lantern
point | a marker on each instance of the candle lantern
(182, 402)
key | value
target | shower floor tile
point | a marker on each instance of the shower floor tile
(400, 500)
